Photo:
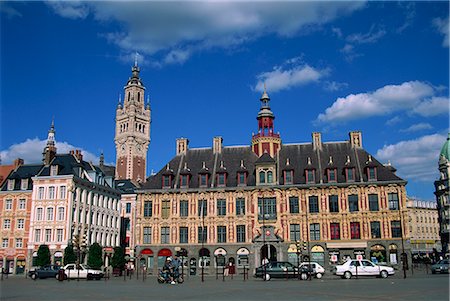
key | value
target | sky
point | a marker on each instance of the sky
(332, 67)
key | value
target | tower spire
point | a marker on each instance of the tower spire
(50, 149)
(136, 59)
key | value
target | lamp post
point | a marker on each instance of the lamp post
(298, 246)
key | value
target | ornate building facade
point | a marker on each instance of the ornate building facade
(442, 195)
(246, 203)
(132, 135)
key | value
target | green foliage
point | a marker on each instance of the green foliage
(95, 259)
(118, 259)
(43, 255)
(69, 255)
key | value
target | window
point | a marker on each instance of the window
(314, 231)
(128, 208)
(221, 179)
(11, 184)
(59, 235)
(269, 177)
(202, 234)
(240, 206)
(333, 202)
(262, 177)
(147, 239)
(267, 209)
(221, 234)
(221, 207)
(288, 177)
(241, 178)
(310, 176)
(24, 184)
(53, 170)
(393, 201)
(148, 208)
(202, 208)
(373, 202)
(166, 182)
(61, 214)
(293, 204)
(335, 231)
(37, 235)
(8, 205)
(50, 213)
(19, 243)
(184, 208)
(22, 204)
(39, 212)
(396, 229)
(5, 243)
(203, 180)
(62, 192)
(294, 230)
(7, 224)
(350, 174)
(371, 174)
(332, 175)
(165, 235)
(240, 232)
(41, 193)
(184, 181)
(353, 203)
(313, 204)
(20, 223)
(184, 238)
(51, 192)
(355, 230)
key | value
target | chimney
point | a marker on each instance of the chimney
(18, 162)
(182, 146)
(355, 139)
(317, 140)
(77, 154)
(217, 145)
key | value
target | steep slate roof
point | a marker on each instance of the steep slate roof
(23, 172)
(297, 154)
(126, 186)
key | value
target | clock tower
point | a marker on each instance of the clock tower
(132, 136)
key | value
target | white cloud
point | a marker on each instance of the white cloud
(31, 151)
(415, 159)
(393, 121)
(292, 73)
(158, 28)
(334, 86)
(417, 127)
(432, 107)
(366, 38)
(442, 25)
(414, 96)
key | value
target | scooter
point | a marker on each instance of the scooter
(163, 277)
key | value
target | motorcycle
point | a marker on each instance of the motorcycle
(163, 277)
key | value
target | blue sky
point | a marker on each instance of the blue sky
(333, 67)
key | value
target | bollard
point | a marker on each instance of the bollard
(124, 275)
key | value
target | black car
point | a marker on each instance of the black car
(440, 267)
(277, 269)
(48, 271)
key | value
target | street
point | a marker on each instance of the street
(417, 287)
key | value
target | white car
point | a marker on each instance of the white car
(316, 269)
(363, 267)
(83, 271)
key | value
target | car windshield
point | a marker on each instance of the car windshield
(444, 261)
(85, 266)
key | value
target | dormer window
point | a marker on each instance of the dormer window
(24, 184)
(221, 179)
(54, 170)
(371, 173)
(350, 174)
(288, 177)
(10, 184)
(203, 180)
(310, 176)
(242, 178)
(184, 180)
(265, 176)
(332, 175)
(166, 181)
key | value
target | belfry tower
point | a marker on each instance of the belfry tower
(132, 137)
(266, 141)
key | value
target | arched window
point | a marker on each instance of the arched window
(269, 177)
(262, 177)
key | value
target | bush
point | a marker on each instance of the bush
(118, 259)
(43, 255)
(95, 258)
(69, 255)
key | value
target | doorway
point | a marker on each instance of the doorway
(269, 252)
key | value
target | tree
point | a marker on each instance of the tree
(95, 256)
(118, 259)
(43, 255)
(69, 255)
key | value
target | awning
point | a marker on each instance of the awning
(220, 251)
(165, 252)
(147, 252)
(242, 251)
(346, 245)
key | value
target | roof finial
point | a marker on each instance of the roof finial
(264, 87)
(330, 162)
(135, 59)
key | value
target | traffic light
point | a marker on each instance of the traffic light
(84, 241)
(305, 247)
(299, 247)
(75, 240)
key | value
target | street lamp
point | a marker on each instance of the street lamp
(298, 251)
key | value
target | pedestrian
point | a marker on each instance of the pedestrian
(265, 261)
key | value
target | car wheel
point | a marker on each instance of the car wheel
(319, 275)
(384, 274)
(34, 276)
(347, 275)
(303, 276)
(267, 277)
(89, 277)
(433, 272)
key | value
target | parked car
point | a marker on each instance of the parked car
(277, 269)
(313, 268)
(363, 267)
(83, 271)
(48, 271)
(440, 267)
